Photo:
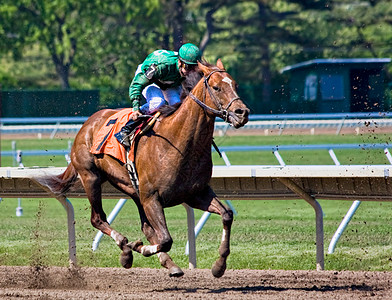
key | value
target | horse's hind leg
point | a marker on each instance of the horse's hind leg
(210, 202)
(149, 232)
(92, 185)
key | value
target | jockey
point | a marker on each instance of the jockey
(159, 80)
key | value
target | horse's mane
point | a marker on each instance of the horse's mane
(167, 110)
(187, 85)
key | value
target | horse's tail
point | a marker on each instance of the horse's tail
(59, 185)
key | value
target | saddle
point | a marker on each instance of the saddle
(126, 135)
(139, 128)
(106, 142)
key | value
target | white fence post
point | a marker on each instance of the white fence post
(347, 218)
(279, 158)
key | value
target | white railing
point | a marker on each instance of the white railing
(279, 122)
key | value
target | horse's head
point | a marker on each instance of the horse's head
(220, 95)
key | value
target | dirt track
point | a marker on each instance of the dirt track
(116, 283)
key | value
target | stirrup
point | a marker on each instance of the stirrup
(123, 137)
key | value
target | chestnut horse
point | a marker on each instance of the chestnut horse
(174, 166)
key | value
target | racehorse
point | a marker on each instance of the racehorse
(173, 163)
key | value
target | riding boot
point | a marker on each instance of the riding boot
(123, 135)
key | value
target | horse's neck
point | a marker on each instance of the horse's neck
(193, 124)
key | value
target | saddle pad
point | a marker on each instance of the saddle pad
(105, 141)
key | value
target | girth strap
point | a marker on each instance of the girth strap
(130, 165)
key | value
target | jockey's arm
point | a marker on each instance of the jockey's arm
(139, 82)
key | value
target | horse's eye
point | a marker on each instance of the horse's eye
(216, 88)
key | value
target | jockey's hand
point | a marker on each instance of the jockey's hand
(136, 114)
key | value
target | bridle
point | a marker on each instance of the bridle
(220, 112)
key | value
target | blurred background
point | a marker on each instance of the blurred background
(71, 58)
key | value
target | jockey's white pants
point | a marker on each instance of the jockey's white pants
(156, 98)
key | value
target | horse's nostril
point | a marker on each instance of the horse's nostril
(241, 112)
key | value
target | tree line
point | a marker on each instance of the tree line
(83, 44)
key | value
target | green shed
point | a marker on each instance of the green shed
(337, 85)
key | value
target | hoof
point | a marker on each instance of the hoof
(175, 272)
(126, 258)
(218, 269)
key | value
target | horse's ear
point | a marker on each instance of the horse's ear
(219, 64)
(203, 68)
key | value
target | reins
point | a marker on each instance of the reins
(220, 112)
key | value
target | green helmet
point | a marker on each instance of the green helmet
(189, 54)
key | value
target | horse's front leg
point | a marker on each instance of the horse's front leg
(164, 258)
(208, 201)
(158, 233)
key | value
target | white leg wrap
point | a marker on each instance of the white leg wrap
(224, 234)
(116, 237)
(149, 249)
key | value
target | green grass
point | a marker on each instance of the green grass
(265, 235)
